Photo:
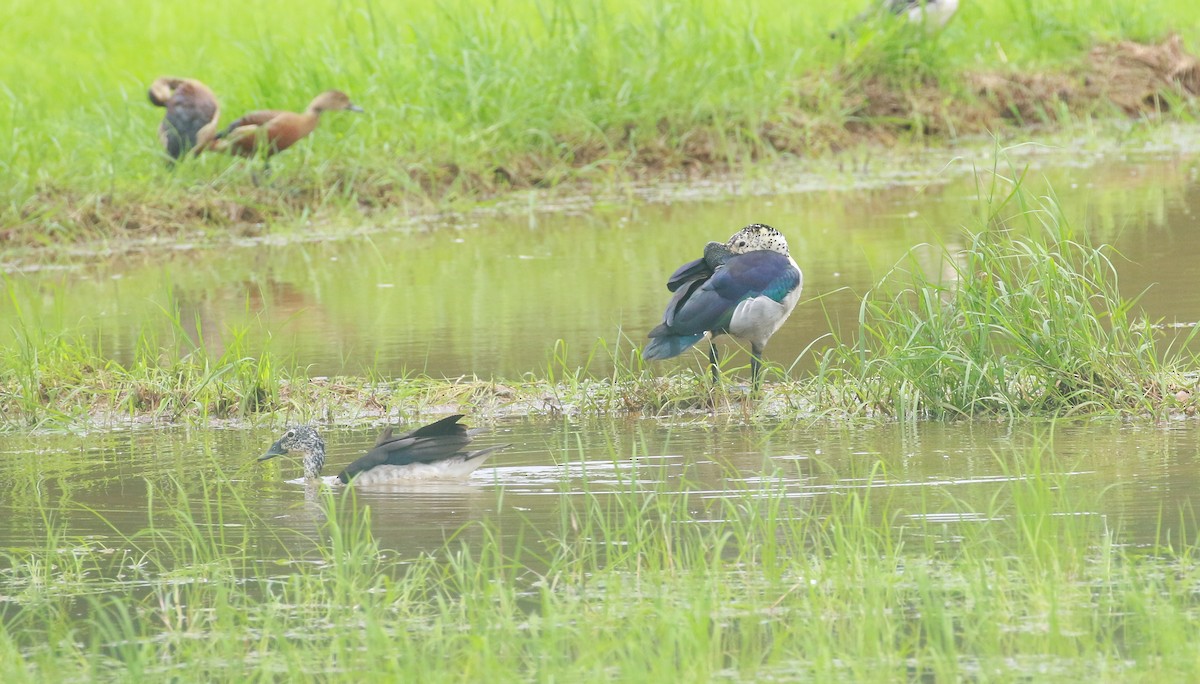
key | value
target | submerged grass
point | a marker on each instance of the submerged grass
(467, 100)
(641, 581)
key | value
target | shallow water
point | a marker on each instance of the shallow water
(490, 297)
(1146, 478)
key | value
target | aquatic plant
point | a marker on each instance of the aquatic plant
(648, 575)
(1025, 317)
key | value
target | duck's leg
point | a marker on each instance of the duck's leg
(714, 362)
(756, 351)
(264, 176)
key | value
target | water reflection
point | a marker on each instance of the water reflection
(104, 487)
(489, 298)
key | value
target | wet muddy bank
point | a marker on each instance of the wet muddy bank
(867, 169)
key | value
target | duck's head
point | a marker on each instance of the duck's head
(302, 439)
(162, 89)
(757, 236)
(333, 100)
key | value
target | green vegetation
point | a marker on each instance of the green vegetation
(653, 578)
(1025, 319)
(641, 582)
(467, 100)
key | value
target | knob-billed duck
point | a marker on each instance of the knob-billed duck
(432, 452)
(746, 287)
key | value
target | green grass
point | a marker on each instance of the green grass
(1021, 317)
(464, 97)
(644, 582)
(50, 378)
(1025, 318)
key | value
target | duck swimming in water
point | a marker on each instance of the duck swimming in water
(746, 287)
(270, 131)
(432, 452)
(190, 123)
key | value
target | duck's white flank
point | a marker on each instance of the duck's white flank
(456, 468)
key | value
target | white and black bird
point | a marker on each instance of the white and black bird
(746, 287)
(932, 13)
(432, 452)
(928, 14)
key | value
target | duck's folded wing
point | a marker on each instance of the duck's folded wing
(715, 254)
(249, 121)
(189, 119)
(752, 274)
(697, 269)
(409, 450)
(448, 426)
(708, 305)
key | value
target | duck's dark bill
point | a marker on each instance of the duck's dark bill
(275, 450)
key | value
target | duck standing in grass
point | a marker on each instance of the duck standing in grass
(931, 13)
(928, 14)
(190, 123)
(269, 131)
(746, 287)
(433, 452)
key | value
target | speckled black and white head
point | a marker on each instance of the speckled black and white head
(757, 236)
(301, 439)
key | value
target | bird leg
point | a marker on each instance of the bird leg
(260, 178)
(756, 351)
(714, 362)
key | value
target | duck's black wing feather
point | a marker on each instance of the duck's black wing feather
(715, 254)
(434, 442)
(666, 340)
(708, 305)
(385, 435)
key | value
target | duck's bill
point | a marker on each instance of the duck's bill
(275, 450)
(356, 108)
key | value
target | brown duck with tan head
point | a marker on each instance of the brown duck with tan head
(271, 131)
(191, 120)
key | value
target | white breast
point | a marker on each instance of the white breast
(757, 318)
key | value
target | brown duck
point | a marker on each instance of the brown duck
(191, 120)
(271, 131)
